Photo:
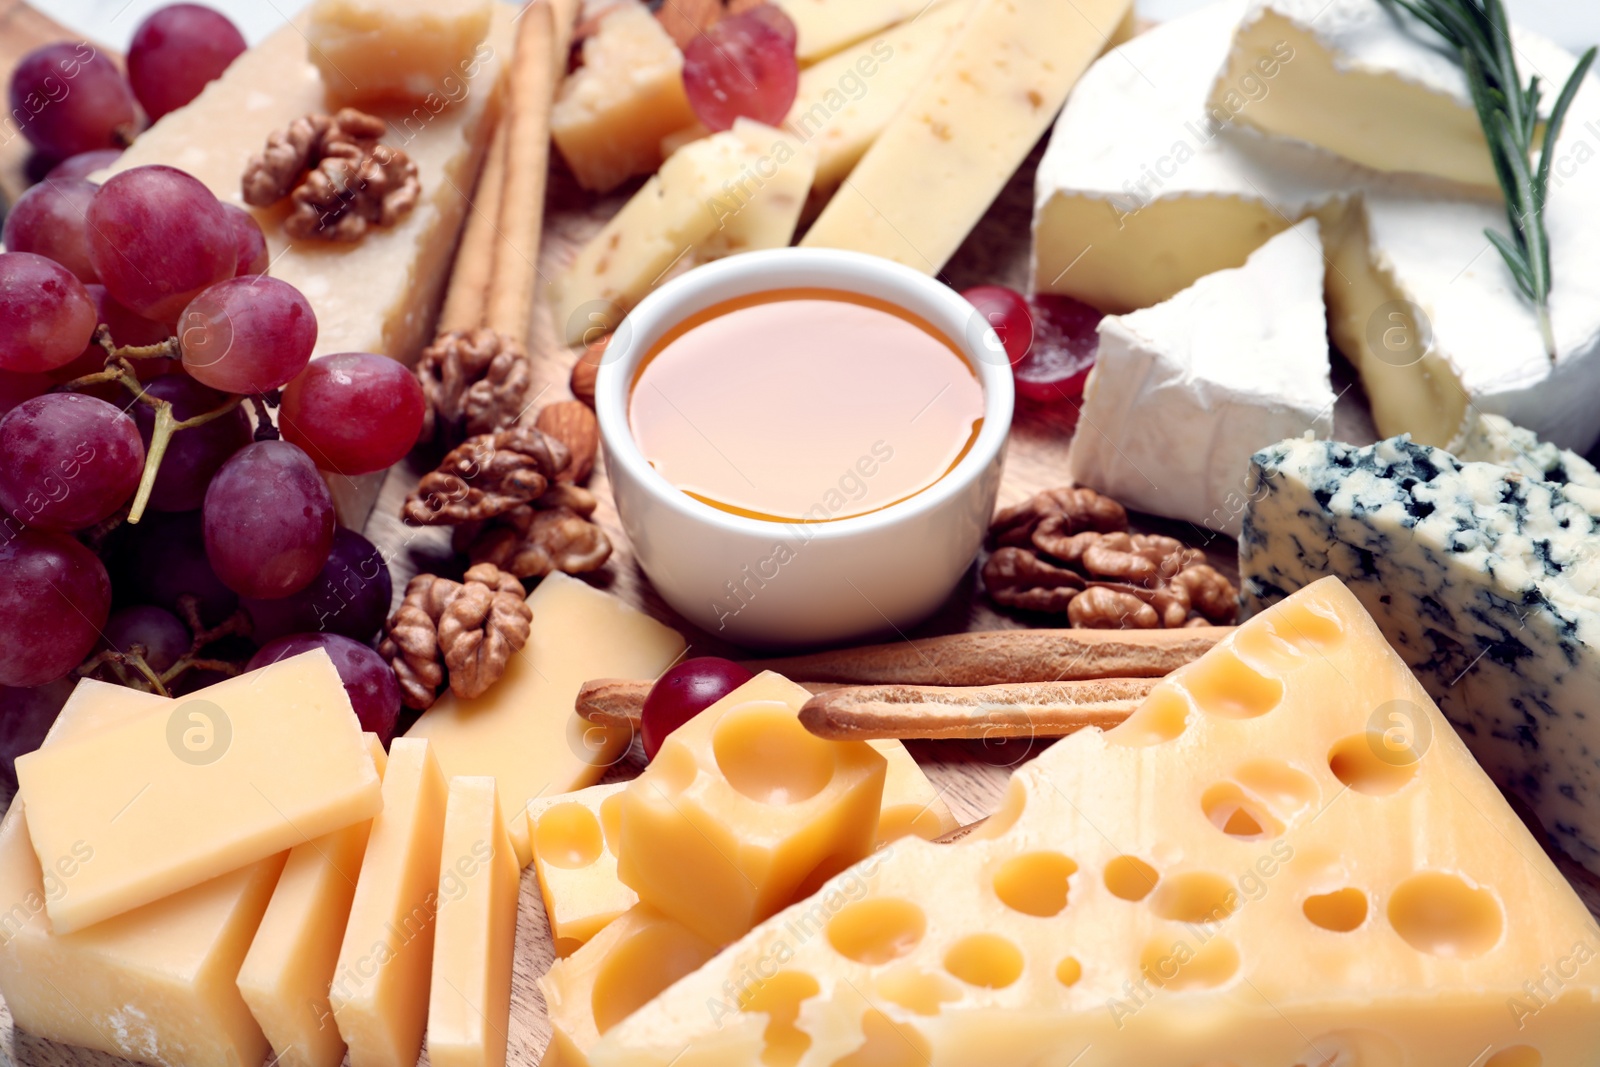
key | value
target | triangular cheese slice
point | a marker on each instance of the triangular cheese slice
(1183, 393)
(1285, 857)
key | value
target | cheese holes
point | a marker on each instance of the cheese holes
(765, 754)
(780, 998)
(640, 968)
(888, 1044)
(1035, 883)
(1011, 809)
(877, 931)
(611, 819)
(1069, 971)
(1195, 897)
(1517, 1056)
(1161, 718)
(1130, 878)
(1188, 964)
(1226, 686)
(1340, 911)
(1357, 761)
(1313, 626)
(1442, 915)
(568, 836)
(916, 990)
(988, 961)
(1285, 790)
(1238, 815)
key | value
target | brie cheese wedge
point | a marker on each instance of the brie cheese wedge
(1185, 392)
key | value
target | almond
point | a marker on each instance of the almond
(587, 368)
(574, 425)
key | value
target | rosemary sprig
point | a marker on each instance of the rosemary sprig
(1480, 32)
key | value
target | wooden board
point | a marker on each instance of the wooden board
(971, 775)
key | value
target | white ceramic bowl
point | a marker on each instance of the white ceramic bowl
(776, 584)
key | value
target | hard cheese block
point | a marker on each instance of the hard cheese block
(380, 983)
(823, 27)
(285, 976)
(1492, 439)
(1146, 187)
(950, 149)
(469, 1005)
(523, 732)
(1184, 392)
(737, 191)
(742, 809)
(397, 51)
(1250, 871)
(153, 985)
(911, 803)
(572, 836)
(235, 773)
(1392, 101)
(1482, 578)
(626, 965)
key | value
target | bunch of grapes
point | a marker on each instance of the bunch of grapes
(149, 503)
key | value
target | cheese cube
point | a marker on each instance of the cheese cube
(628, 964)
(572, 837)
(396, 51)
(1286, 856)
(935, 169)
(1340, 77)
(823, 27)
(742, 809)
(523, 731)
(285, 975)
(235, 773)
(740, 190)
(153, 985)
(469, 1007)
(380, 983)
(611, 113)
(911, 803)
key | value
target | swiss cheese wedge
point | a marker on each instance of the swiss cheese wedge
(1286, 856)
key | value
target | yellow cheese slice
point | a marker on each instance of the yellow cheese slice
(153, 985)
(469, 1003)
(911, 803)
(1286, 856)
(742, 810)
(285, 975)
(572, 836)
(523, 731)
(380, 983)
(624, 967)
(932, 173)
(823, 27)
(234, 773)
(396, 51)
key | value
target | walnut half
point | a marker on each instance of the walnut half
(462, 632)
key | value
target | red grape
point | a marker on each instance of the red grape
(83, 164)
(50, 220)
(163, 558)
(1064, 348)
(353, 413)
(350, 597)
(684, 692)
(28, 716)
(195, 454)
(69, 98)
(1007, 311)
(46, 316)
(70, 461)
(157, 237)
(743, 67)
(54, 597)
(165, 639)
(374, 691)
(268, 521)
(247, 335)
(176, 51)
(251, 242)
(15, 388)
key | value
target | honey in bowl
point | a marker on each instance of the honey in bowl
(804, 405)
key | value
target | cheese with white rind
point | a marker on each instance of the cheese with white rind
(1235, 876)
(1144, 189)
(1184, 392)
(1484, 579)
(1369, 82)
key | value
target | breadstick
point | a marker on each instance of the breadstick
(1028, 709)
(464, 302)
(532, 90)
(998, 657)
(619, 702)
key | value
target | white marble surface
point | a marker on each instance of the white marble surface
(1574, 23)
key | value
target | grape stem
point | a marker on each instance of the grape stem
(131, 667)
(120, 662)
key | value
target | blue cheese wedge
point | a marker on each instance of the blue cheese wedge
(1484, 579)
